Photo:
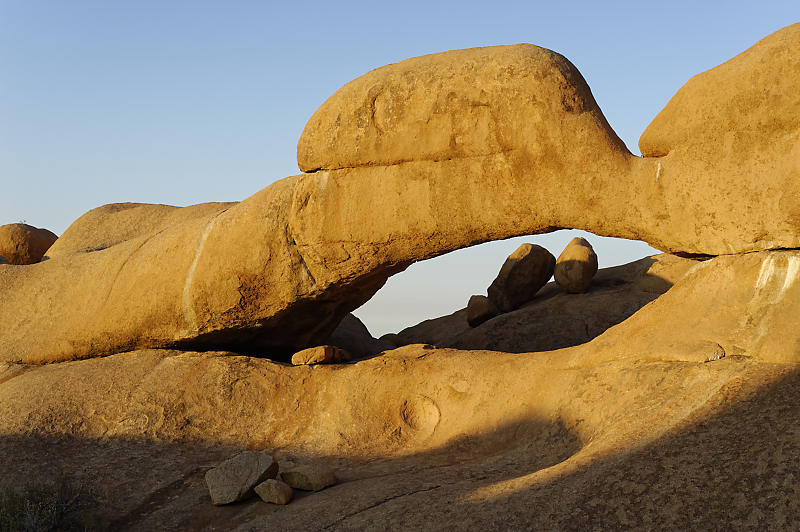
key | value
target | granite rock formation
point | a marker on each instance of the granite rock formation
(576, 266)
(278, 271)
(677, 408)
(24, 244)
(522, 275)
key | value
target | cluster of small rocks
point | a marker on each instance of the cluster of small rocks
(257, 473)
(526, 271)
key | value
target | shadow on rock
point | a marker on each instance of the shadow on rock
(143, 485)
(555, 319)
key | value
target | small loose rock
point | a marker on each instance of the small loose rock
(235, 478)
(322, 354)
(274, 491)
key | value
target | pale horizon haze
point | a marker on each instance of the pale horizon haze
(189, 102)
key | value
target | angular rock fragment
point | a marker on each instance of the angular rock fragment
(480, 309)
(309, 477)
(24, 244)
(322, 354)
(274, 491)
(524, 272)
(235, 478)
(576, 266)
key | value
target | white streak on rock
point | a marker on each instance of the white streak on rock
(189, 315)
(792, 273)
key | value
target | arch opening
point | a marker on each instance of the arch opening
(427, 302)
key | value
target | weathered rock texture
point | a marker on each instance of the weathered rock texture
(728, 149)
(235, 478)
(448, 150)
(24, 244)
(522, 275)
(576, 266)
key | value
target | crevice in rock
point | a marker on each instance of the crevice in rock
(379, 503)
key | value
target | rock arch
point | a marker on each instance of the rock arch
(408, 162)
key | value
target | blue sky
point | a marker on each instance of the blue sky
(184, 102)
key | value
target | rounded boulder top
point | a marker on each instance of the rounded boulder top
(456, 104)
(24, 244)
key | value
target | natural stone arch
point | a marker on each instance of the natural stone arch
(281, 268)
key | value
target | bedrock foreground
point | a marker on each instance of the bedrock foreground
(138, 355)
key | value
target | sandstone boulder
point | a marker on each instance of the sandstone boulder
(235, 478)
(322, 354)
(576, 266)
(24, 244)
(480, 309)
(522, 275)
(309, 477)
(274, 491)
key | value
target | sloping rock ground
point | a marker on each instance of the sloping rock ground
(555, 319)
(643, 426)
(679, 445)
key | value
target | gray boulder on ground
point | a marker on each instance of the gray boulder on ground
(576, 266)
(480, 309)
(235, 478)
(309, 477)
(524, 272)
(274, 491)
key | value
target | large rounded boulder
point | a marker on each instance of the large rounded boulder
(24, 244)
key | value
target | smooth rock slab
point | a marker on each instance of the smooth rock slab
(576, 266)
(235, 478)
(274, 491)
(309, 477)
(524, 272)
